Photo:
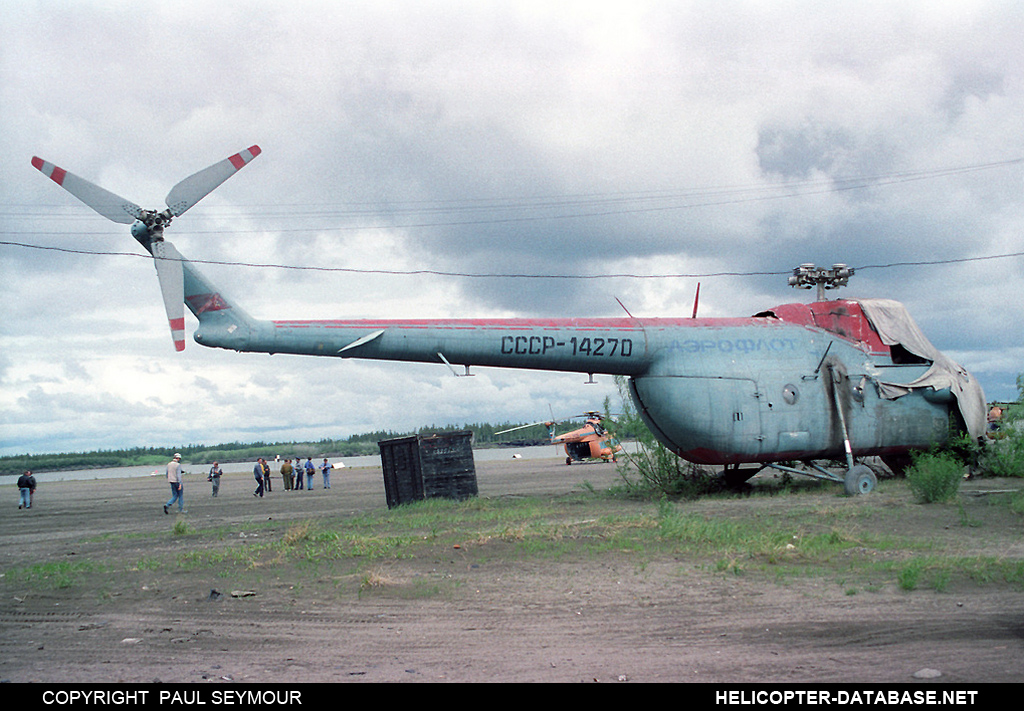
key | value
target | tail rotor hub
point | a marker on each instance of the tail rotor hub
(154, 223)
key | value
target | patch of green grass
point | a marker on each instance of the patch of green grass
(771, 539)
(909, 575)
(940, 572)
(379, 582)
(147, 563)
(53, 576)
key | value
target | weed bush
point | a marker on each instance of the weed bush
(935, 477)
(1004, 456)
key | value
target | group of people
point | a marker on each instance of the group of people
(294, 477)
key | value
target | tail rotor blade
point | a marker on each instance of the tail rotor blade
(113, 207)
(170, 272)
(197, 186)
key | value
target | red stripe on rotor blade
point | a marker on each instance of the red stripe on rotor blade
(179, 345)
(238, 161)
(254, 151)
(177, 324)
(49, 170)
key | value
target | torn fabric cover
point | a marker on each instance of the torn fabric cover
(895, 326)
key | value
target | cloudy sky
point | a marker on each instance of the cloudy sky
(669, 143)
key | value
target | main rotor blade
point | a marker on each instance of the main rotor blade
(170, 272)
(113, 207)
(198, 185)
(522, 427)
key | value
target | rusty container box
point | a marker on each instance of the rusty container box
(428, 466)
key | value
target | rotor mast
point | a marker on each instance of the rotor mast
(807, 276)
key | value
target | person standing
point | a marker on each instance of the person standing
(214, 478)
(26, 488)
(299, 480)
(257, 472)
(325, 469)
(174, 478)
(266, 476)
(286, 474)
(310, 470)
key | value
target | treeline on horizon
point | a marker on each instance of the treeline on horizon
(484, 435)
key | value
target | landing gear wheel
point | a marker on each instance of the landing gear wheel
(859, 480)
(568, 461)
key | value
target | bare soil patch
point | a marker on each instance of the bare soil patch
(130, 610)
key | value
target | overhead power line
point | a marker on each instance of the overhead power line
(498, 275)
(536, 208)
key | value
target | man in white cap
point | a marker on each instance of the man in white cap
(177, 485)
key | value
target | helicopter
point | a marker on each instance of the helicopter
(589, 442)
(839, 379)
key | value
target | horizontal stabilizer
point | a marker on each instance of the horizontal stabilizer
(362, 341)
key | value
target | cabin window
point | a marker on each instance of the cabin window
(901, 356)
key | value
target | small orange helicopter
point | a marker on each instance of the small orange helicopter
(591, 441)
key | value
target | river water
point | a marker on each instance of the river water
(481, 455)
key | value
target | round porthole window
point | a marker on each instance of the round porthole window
(790, 394)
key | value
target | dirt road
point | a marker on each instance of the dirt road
(497, 615)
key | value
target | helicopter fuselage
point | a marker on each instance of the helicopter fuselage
(714, 391)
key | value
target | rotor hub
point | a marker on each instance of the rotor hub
(150, 225)
(808, 276)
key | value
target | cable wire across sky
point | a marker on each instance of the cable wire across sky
(606, 204)
(497, 275)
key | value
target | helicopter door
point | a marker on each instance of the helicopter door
(578, 450)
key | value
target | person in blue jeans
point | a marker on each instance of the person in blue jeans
(325, 469)
(174, 474)
(257, 471)
(26, 486)
(310, 470)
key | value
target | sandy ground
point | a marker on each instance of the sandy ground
(606, 618)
